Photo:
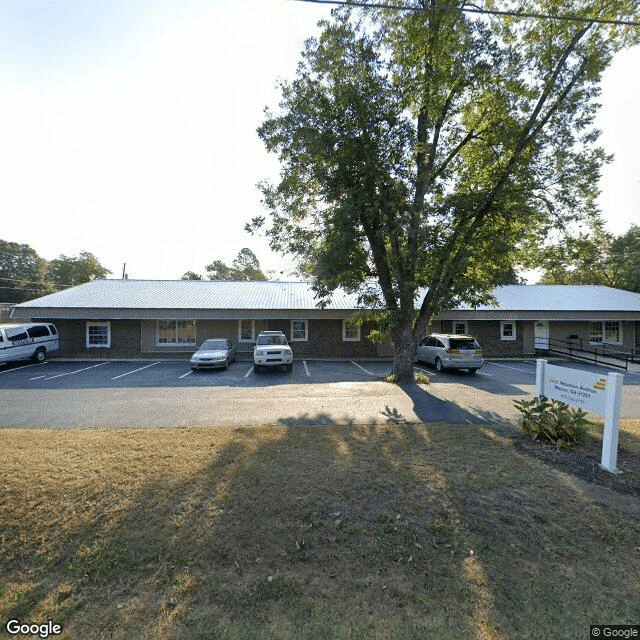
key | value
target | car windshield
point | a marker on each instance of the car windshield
(272, 340)
(214, 345)
(464, 343)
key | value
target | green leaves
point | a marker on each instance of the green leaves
(553, 421)
(245, 267)
(422, 148)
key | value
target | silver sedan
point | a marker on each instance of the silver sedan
(213, 354)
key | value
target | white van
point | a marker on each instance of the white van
(31, 341)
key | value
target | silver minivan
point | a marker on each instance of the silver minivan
(450, 351)
(30, 341)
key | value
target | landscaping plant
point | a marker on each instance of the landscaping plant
(553, 421)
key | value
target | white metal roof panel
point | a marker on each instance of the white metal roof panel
(188, 294)
(562, 298)
(275, 295)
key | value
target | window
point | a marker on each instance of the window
(39, 331)
(460, 328)
(246, 330)
(16, 335)
(607, 332)
(507, 330)
(350, 333)
(299, 330)
(176, 331)
(99, 334)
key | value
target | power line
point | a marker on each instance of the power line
(495, 12)
(42, 282)
(25, 289)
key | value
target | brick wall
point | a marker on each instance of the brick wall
(487, 332)
(325, 340)
(125, 340)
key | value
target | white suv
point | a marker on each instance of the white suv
(272, 350)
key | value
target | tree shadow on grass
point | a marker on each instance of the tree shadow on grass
(330, 530)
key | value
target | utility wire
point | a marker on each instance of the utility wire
(495, 12)
(41, 282)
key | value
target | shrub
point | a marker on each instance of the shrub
(418, 377)
(553, 421)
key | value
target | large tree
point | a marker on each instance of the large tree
(624, 256)
(245, 266)
(21, 272)
(594, 256)
(420, 149)
(70, 271)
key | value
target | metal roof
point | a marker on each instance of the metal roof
(562, 298)
(274, 295)
(188, 294)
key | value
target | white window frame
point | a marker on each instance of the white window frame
(176, 343)
(464, 323)
(102, 345)
(346, 338)
(305, 337)
(253, 330)
(503, 324)
(603, 331)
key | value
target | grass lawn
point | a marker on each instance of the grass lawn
(397, 531)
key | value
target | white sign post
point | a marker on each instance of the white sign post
(591, 392)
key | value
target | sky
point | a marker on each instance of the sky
(128, 128)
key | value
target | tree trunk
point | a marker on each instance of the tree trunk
(404, 355)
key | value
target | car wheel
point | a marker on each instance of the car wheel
(194, 368)
(472, 371)
(40, 355)
(439, 366)
(257, 368)
(290, 367)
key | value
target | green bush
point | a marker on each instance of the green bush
(418, 377)
(553, 421)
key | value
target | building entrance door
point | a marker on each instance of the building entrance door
(541, 334)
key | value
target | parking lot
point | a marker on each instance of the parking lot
(59, 394)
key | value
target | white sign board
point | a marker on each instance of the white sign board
(593, 392)
(577, 388)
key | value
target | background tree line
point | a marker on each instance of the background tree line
(24, 275)
(594, 257)
(245, 267)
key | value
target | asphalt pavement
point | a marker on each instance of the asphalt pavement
(110, 394)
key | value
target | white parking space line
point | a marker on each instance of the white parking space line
(429, 373)
(122, 375)
(246, 375)
(359, 367)
(495, 364)
(37, 377)
(70, 373)
(306, 369)
(26, 366)
(184, 375)
(482, 373)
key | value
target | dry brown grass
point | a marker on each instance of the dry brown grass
(398, 531)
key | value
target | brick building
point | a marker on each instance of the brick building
(169, 318)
